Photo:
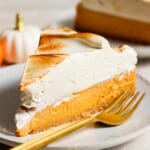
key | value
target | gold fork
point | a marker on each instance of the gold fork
(116, 114)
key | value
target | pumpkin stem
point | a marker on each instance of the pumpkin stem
(19, 22)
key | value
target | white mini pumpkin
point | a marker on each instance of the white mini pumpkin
(20, 42)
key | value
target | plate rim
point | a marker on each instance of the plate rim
(104, 145)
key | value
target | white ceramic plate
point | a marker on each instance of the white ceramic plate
(89, 138)
(67, 18)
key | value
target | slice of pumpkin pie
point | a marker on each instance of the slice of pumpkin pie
(71, 76)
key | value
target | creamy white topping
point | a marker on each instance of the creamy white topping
(77, 72)
(132, 9)
(90, 61)
(79, 45)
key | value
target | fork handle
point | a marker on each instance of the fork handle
(44, 140)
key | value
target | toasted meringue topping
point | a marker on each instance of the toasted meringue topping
(52, 77)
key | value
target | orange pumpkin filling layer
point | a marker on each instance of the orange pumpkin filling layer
(83, 104)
